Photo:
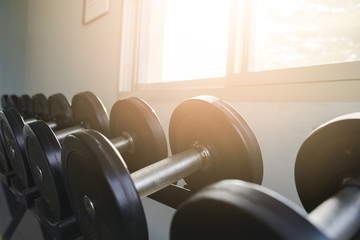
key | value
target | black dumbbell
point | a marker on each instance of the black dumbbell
(9, 101)
(4, 101)
(87, 111)
(327, 172)
(234, 209)
(136, 132)
(25, 106)
(327, 179)
(210, 141)
(57, 109)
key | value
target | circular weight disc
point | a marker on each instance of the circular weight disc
(234, 150)
(12, 131)
(94, 170)
(233, 209)
(4, 160)
(88, 110)
(13, 101)
(137, 118)
(44, 154)
(60, 110)
(40, 106)
(25, 106)
(5, 101)
(328, 156)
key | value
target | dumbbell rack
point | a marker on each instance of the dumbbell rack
(20, 201)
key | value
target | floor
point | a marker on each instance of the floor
(28, 228)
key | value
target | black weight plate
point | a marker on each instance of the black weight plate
(135, 117)
(13, 101)
(94, 168)
(12, 126)
(88, 111)
(25, 106)
(233, 209)
(234, 150)
(4, 160)
(40, 106)
(328, 156)
(60, 110)
(44, 154)
(5, 101)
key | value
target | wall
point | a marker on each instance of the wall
(65, 55)
(13, 17)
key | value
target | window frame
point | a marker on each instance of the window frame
(129, 58)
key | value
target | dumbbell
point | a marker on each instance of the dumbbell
(57, 108)
(4, 101)
(210, 141)
(86, 111)
(234, 209)
(39, 103)
(136, 132)
(25, 106)
(327, 172)
(327, 180)
(9, 101)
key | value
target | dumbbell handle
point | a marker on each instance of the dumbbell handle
(62, 133)
(156, 176)
(123, 143)
(51, 124)
(339, 216)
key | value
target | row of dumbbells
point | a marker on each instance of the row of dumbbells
(106, 172)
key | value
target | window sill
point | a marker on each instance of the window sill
(332, 82)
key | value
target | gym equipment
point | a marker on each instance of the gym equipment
(87, 111)
(12, 123)
(327, 176)
(9, 101)
(25, 106)
(210, 141)
(136, 132)
(4, 101)
(234, 209)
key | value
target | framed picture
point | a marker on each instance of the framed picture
(93, 9)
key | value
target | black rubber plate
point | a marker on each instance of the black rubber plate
(233, 209)
(12, 131)
(44, 152)
(5, 101)
(328, 156)
(4, 160)
(60, 110)
(93, 167)
(89, 111)
(40, 106)
(13, 101)
(137, 118)
(25, 106)
(233, 147)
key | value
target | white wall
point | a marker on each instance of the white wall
(13, 17)
(63, 55)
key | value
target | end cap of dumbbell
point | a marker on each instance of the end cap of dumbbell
(327, 159)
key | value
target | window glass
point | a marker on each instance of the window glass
(294, 33)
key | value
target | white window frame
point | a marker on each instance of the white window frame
(129, 50)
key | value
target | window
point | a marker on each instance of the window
(232, 40)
